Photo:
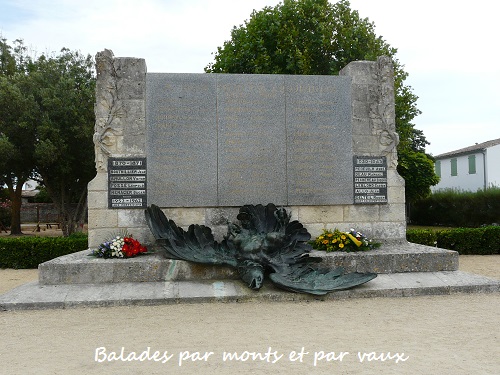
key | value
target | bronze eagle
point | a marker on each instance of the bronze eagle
(265, 243)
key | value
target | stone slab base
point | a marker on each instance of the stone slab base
(393, 257)
(80, 268)
(37, 296)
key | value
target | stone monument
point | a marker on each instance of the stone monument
(201, 145)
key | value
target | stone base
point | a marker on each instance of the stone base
(393, 257)
(407, 284)
(80, 268)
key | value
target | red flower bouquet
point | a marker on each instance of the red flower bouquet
(120, 247)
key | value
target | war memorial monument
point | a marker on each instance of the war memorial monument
(200, 146)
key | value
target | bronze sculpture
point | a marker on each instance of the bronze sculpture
(266, 242)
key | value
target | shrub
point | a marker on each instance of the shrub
(42, 196)
(29, 252)
(5, 212)
(463, 240)
(458, 208)
(422, 236)
(479, 241)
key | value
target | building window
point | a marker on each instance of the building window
(472, 164)
(437, 167)
(454, 167)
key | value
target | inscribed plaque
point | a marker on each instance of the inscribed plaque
(252, 139)
(127, 183)
(370, 179)
(319, 140)
(182, 139)
(234, 139)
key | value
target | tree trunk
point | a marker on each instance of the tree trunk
(76, 215)
(15, 197)
(63, 210)
(71, 218)
(81, 210)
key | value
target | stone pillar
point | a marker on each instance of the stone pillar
(120, 131)
(374, 133)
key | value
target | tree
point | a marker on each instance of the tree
(418, 171)
(7, 60)
(64, 150)
(316, 37)
(58, 144)
(19, 116)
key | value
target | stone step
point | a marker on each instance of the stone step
(80, 268)
(393, 257)
(408, 284)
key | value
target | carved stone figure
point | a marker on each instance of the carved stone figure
(382, 115)
(107, 109)
(265, 243)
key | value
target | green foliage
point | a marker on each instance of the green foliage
(65, 150)
(19, 117)
(7, 59)
(19, 113)
(418, 171)
(306, 37)
(426, 237)
(464, 240)
(4, 194)
(46, 126)
(299, 37)
(29, 252)
(490, 240)
(467, 241)
(42, 196)
(458, 208)
(5, 212)
(317, 37)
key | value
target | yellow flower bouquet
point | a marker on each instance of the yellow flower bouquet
(342, 241)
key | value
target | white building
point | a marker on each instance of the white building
(470, 168)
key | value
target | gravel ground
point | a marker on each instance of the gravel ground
(455, 334)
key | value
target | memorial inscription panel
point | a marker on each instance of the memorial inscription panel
(251, 132)
(370, 179)
(181, 139)
(319, 140)
(231, 139)
(127, 183)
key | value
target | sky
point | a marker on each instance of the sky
(448, 47)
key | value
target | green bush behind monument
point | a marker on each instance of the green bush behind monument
(29, 252)
(458, 208)
(467, 241)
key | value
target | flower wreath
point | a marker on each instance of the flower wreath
(120, 247)
(343, 241)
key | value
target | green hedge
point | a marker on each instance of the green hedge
(458, 208)
(29, 252)
(479, 241)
